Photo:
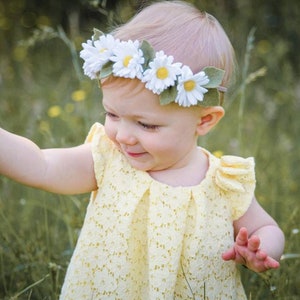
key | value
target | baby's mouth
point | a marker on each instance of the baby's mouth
(135, 154)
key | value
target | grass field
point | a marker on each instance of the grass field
(44, 99)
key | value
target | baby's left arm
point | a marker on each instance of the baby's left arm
(259, 242)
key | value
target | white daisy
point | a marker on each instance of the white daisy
(96, 54)
(162, 73)
(128, 60)
(190, 87)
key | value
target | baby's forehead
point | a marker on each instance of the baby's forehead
(125, 85)
(129, 97)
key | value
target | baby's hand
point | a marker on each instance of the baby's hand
(246, 251)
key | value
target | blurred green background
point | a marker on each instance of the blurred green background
(45, 97)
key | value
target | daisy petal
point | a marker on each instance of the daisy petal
(162, 73)
(128, 58)
(190, 88)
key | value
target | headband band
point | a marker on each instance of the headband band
(104, 56)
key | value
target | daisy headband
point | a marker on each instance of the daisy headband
(106, 56)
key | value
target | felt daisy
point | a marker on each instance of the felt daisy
(104, 56)
(162, 73)
(128, 60)
(190, 88)
(96, 54)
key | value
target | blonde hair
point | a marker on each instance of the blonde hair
(192, 37)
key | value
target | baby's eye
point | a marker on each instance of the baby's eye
(149, 126)
(110, 115)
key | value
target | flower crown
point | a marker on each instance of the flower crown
(104, 56)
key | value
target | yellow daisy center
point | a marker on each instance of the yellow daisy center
(102, 50)
(126, 60)
(189, 85)
(162, 73)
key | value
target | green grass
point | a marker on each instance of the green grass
(38, 230)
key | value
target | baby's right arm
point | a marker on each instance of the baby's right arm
(65, 171)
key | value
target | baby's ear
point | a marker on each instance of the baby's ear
(208, 118)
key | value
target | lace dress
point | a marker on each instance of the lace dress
(143, 239)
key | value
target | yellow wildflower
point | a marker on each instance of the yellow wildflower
(54, 111)
(78, 95)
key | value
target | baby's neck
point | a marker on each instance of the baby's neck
(188, 175)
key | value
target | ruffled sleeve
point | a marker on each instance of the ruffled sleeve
(102, 149)
(235, 176)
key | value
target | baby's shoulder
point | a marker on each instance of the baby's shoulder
(234, 178)
(233, 173)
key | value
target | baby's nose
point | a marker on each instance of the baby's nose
(125, 135)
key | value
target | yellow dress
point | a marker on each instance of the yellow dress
(143, 239)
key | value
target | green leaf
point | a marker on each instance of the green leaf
(148, 52)
(215, 77)
(97, 34)
(168, 95)
(106, 70)
(211, 98)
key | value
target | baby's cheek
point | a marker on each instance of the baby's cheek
(109, 130)
(111, 133)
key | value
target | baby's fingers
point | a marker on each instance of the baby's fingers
(266, 261)
(229, 254)
(253, 243)
(242, 237)
(261, 255)
(261, 262)
(271, 263)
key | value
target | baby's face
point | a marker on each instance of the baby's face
(152, 137)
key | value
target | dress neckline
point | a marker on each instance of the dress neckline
(158, 183)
